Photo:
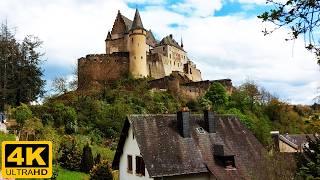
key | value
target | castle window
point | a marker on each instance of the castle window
(174, 63)
(141, 57)
(178, 64)
(170, 56)
(135, 57)
(138, 44)
(131, 39)
(163, 48)
(190, 71)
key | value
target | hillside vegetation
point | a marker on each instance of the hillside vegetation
(95, 118)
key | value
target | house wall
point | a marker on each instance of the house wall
(283, 147)
(130, 148)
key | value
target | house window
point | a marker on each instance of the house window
(129, 164)
(140, 166)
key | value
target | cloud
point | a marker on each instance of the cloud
(229, 46)
(203, 8)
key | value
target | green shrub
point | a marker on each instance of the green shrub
(87, 159)
(22, 113)
(101, 171)
(70, 154)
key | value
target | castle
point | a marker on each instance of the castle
(131, 49)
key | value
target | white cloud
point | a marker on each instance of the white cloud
(201, 8)
(222, 47)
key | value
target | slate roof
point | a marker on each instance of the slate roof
(137, 22)
(167, 153)
(168, 40)
(127, 22)
(150, 39)
(295, 140)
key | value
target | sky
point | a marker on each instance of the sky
(223, 37)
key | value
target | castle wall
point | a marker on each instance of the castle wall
(155, 66)
(173, 58)
(117, 45)
(98, 69)
(192, 72)
(179, 85)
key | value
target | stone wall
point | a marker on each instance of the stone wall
(179, 84)
(192, 72)
(97, 69)
(117, 45)
(155, 66)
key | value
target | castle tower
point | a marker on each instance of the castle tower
(138, 48)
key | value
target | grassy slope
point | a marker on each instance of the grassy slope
(71, 175)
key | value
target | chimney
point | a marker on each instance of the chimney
(209, 121)
(275, 138)
(183, 118)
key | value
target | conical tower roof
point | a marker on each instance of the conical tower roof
(137, 23)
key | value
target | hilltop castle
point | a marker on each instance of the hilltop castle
(131, 49)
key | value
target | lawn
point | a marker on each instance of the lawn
(70, 175)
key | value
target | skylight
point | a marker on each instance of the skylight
(200, 130)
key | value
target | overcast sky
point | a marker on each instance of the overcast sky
(223, 38)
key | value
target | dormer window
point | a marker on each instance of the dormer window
(223, 157)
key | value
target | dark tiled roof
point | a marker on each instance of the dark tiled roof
(137, 22)
(127, 22)
(167, 153)
(168, 40)
(295, 140)
(151, 40)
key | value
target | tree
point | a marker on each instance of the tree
(87, 159)
(251, 90)
(20, 71)
(101, 171)
(60, 85)
(22, 113)
(97, 159)
(301, 16)
(217, 94)
(309, 160)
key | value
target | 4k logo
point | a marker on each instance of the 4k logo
(26, 159)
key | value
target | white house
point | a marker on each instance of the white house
(190, 147)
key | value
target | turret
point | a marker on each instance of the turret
(138, 48)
